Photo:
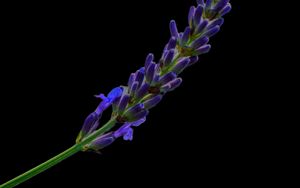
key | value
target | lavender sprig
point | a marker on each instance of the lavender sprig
(147, 86)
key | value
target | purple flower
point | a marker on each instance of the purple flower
(191, 16)
(202, 50)
(142, 91)
(123, 103)
(152, 102)
(135, 113)
(173, 29)
(167, 78)
(200, 42)
(171, 44)
(149, 60)
(185, 36)
(126, 130)
(181, 65)
(102, 142)
(168, 58)
(92, 121)
(171, 85)
(147, 86)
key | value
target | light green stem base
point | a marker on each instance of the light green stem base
(58, 158)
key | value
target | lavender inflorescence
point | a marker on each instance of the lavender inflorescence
(148, 85)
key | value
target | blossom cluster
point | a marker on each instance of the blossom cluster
(148, 85)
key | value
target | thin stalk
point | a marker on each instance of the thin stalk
(58, 158)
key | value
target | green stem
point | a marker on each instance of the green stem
(58, 158)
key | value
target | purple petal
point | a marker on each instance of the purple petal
(114, 94)
(102, 106)
(140, 76)
(208, 4)
(131, 80)
(142, 91)
(172, 43)
(122, 130)
(216, 22)
(200, 2)
(149, 60)
(198, 15)
(123, 103)
(185, 36)
(169, 58)
(171, 85)
(194, 59)
(200, 42)
(167, 78)
(211, 32)
(150, 72)
(90, 122)
(201, 26)
(102, 142)
(220, 5)
(135, 109)
(128, 135)
(181, 65)
(133, 89)
(202, 50)
(138, 122)
(152, 102)
(225, 10)
(191, 16)
(142, 114)
(173, 29)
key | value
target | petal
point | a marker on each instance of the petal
(211, 32)
(138, 122)
(220, 5)
(169, 58)
(216, 22)
(140, 74)
(173, 29)
(133, 89)
(202, 50)
(123, 103)
(185, 36)
(149, 59)
(194, 59)
(152, 102)
(200, 42)
(115, 93)
(150, 72)
(131, 80)
(198, 15)
(200, 2)
(142, 91)
(102, 142)
(167, 78)
(191, 16)
(90, 122)
(202, 26)
(171, 85)
(128, 135)
(225, 10)
(181, 65)
(172, 43)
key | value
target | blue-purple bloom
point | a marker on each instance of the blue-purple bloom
(92, 121)
(147, 86)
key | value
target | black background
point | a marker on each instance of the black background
(57, 56)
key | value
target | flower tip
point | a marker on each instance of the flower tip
(115, 93)
(173, 29)
(200, 2)
(226, 9)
